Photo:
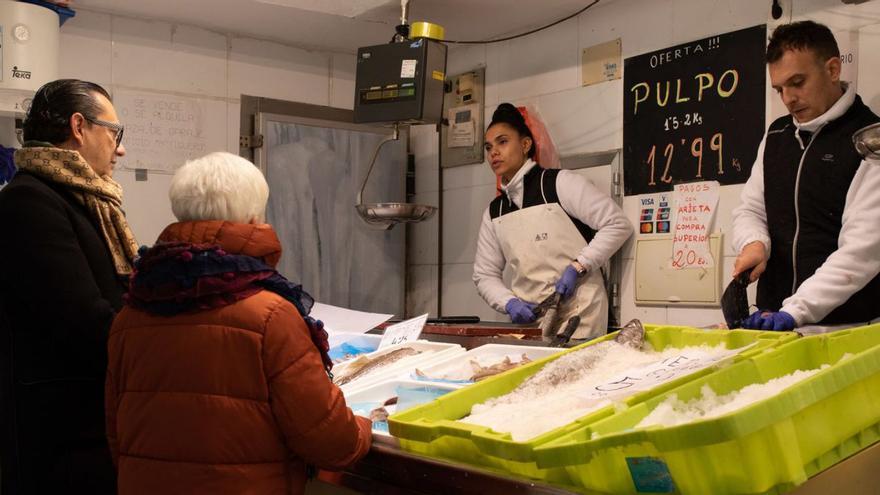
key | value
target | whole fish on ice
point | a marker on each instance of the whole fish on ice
(483, 372)
(365, 365)
(574, 365)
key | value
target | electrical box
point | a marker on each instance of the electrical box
(657, 283)
(400, 82)
(462, 138)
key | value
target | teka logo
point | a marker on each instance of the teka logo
(828, 158)
(541, 237)
(20, 74)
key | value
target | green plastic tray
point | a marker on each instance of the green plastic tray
(770, 446)
(432, 429)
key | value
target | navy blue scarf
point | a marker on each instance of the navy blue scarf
(174, 278)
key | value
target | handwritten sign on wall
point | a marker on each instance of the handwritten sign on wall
(162, 131)
(695, 205)
(694, 112)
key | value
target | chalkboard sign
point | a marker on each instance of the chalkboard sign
(694, 112)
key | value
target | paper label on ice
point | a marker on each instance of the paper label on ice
(650, 375)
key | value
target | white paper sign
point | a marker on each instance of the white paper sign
(408, 69)
(163, 131)
(653, 374)
(695, 205)
(343, 320)
(405, 331)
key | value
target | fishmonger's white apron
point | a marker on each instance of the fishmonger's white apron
(538, 242)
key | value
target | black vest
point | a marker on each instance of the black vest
(534, 196)
(805, 208)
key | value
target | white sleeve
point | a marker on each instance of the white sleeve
(489, 266)
(584, 201)
(750, 217)
(857, 258)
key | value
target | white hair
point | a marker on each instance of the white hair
(219, 186)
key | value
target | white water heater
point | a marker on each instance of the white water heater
(29, 43)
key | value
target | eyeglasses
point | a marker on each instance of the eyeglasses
(119, 128)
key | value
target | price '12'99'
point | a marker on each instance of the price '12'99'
(716, 143)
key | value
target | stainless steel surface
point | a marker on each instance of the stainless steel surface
(867, 141)
(395, 135)
(387, 215)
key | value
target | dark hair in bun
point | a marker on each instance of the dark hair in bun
(508, 114)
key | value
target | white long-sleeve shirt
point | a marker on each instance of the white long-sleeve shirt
(580, 199)
(857, 258)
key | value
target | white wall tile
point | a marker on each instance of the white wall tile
(421, 290)
(642, 26)
(267, 69)
(163, 56)
(460, 294)
(540, 63)
(475, 174)
(869, 77)
(584, 119)
(703, 317)
(631, 208)
(86, 48)
(463, 209)
(233, 126)
(146, 204)
(493, 74)
(628, 309)
(463, 58)
(342, 80)
(695, 317)
(423, 236)
(728, 199)
(811, 8)
(695, 19)
(600, 24)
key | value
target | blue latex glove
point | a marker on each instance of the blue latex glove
(565, 284)
(769, 320)
(520, 311)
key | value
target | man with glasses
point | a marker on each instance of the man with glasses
(67, 252)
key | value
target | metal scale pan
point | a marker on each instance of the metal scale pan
(387, 215)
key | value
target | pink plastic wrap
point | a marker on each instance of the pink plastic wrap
(545, 150)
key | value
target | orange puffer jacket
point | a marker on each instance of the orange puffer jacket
(227, 400)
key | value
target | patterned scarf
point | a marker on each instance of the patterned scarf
(175, 277)
(101, 196)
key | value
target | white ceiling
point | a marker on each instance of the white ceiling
(340, 25)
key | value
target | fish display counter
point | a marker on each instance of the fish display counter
(472, 467)
(388, 470)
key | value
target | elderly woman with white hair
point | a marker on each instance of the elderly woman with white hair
(218, 378)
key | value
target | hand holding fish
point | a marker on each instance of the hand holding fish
(753, 254)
